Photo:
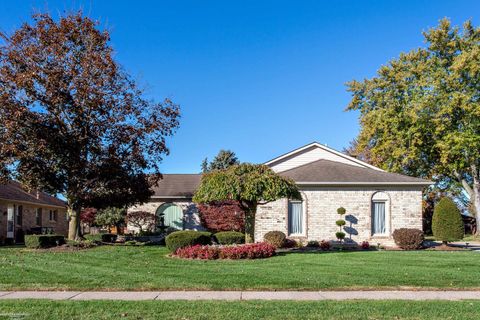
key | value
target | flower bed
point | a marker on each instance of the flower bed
(244, 251)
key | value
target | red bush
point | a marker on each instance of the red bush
(245, 251)
(87, 216)
(324, 245)
(222, 216)
(365, 245)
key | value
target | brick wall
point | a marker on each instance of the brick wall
(405, 207)
(29, 220)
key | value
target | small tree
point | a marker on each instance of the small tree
(111, 217)
(87, 216)
(340, 223)
(223, 160)
(248, 184)
(141, 219)
(447, 223)
(222, 216)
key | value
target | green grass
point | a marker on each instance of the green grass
(211, 310)
(148, 268)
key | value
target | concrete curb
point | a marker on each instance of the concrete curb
(242, 295)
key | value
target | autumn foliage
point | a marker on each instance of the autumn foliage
(222, 216)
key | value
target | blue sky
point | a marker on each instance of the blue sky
(257, 77)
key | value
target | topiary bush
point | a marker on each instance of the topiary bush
(447, 222)
(230, 237)
(340, 223)
(275, 238)
(408, 239)
(185, 238)
(43, 241)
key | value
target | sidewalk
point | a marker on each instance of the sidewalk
(242, 295)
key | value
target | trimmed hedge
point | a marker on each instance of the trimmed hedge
(93, 237)
(109, 237)
(181, 239)
(408, 239)
(447, 222)
(275, 238)
(36, 241)
(230, 237)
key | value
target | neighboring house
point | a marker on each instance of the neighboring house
(23, 212)
(377, 202)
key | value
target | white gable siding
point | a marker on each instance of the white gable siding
(308, 155)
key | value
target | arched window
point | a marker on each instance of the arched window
(171, 215)
(297, 218)
(380, 214)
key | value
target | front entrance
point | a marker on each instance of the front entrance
(170, 215)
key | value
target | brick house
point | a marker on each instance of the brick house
(377, 202)
(23, 212)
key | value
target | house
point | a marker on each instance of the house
(23, 212)
(377, 202)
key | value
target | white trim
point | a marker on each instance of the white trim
(321, 146)
(332, 183)
(38, 204)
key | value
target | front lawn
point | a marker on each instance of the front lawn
(148, 268)
(211, 310)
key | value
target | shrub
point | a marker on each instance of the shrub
(230, 237)
(341, 211)
(43, 241)
(365, 245)
(180, 239)
(340, 223)
(244, 251)
(275, 238)
(108, 237)
(85, 244)
(93, 237)
(340, 235)
(222, 216)
(447, 223)
(290, 243)
(313, 244)
(324, 245)
(408, 239)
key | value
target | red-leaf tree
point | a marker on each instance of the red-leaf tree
(143, 220)
(87, 216)
(73, 121)
(222, 216)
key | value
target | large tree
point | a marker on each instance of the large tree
(248, 184)
(421, 114)
(223, 160)
(72, 121)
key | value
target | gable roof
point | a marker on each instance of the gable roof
(326, 172)
(177, 186)
(325, 152)
(13, 191)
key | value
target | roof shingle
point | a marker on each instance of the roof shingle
(331, 172)
(13, 191)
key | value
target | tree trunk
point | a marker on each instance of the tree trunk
(250, 225)
(74, 224)
(476, 203)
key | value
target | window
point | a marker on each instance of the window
(52, 215)
(38, 216)
(296, 219)
(380, 214)
(55, 215)
(19, 215)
